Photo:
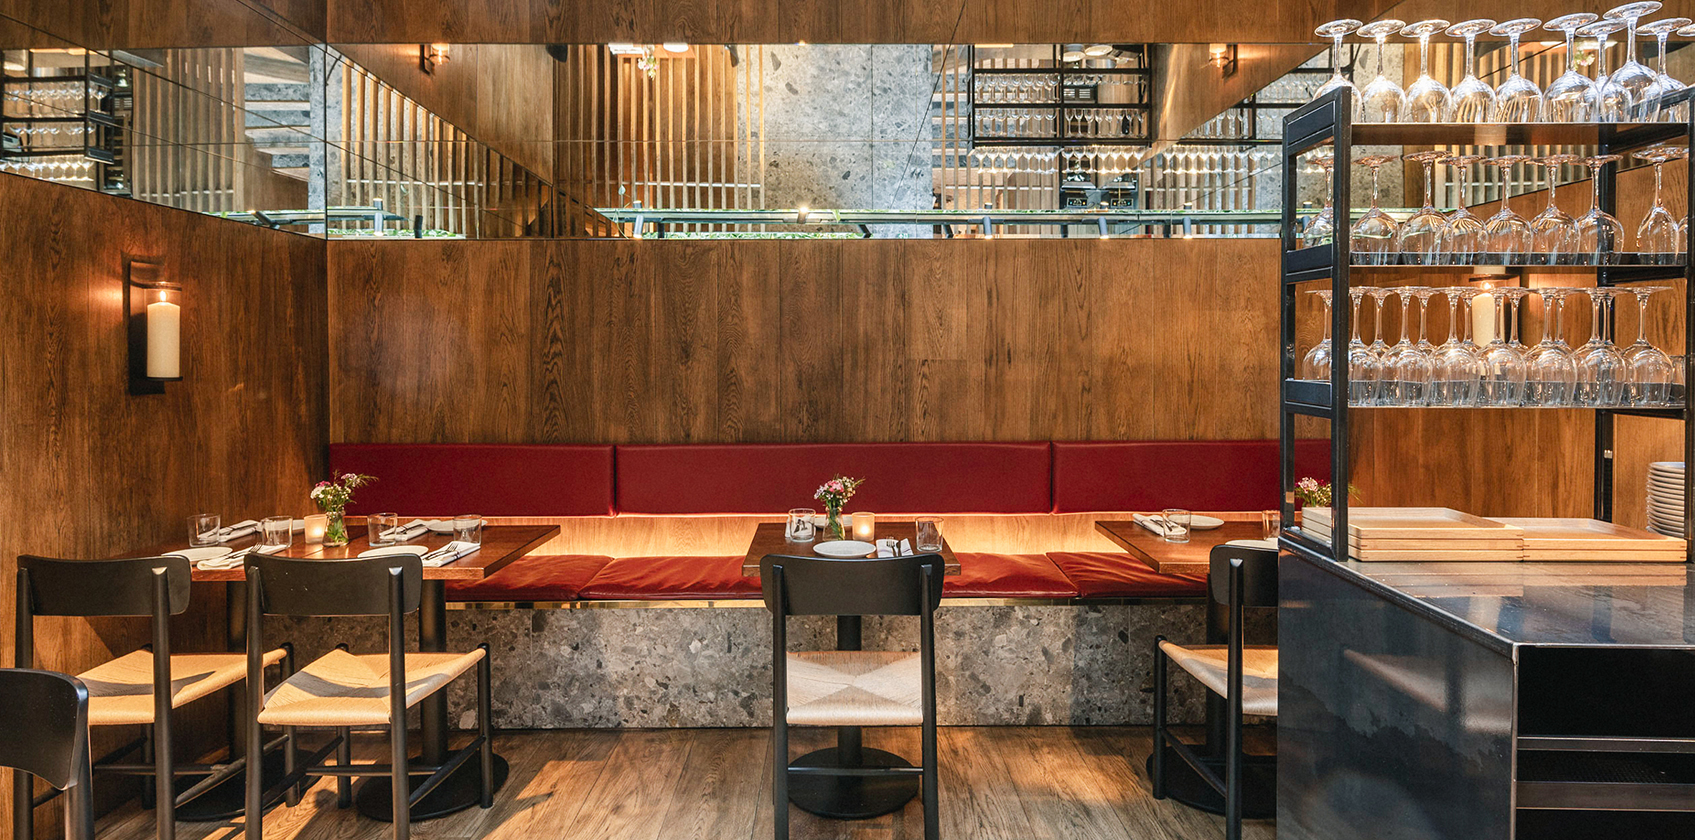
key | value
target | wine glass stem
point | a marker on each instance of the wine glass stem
(1406, 319)
(1512, 323)
(1336, 55)
(1424, 55)
(1571, 50)
(1595, 319)
(1471, 56)
(1429, 184)
(1630, 41)
(1327, 322)
(1553, 184)
(1512, 41)
(1356, 320)
(1453, 314)
(1641, 318)
(1423, 308)
(1595, 195)
(1658, 165)
(1377, 331)
(1660, 37)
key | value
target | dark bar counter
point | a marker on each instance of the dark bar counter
(1485, 700)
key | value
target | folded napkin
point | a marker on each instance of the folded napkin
(450, 552)
(410, 531)
(1155, 523)
(237, 530)
(233, 560)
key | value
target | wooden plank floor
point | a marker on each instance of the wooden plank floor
(1017, 783)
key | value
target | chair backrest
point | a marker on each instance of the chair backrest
(48, 735)
(823, 586)
(1259, 574)
(100, 587)
(359, 586)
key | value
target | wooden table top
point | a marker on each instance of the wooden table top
(1190, 558)
(502, 544)
(768, 539)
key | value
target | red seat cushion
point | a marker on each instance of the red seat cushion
(1099, 574)
(985, 575)
(671, 579)
(1195, 474)
(771, 478)
(538, 577)
(490, 479)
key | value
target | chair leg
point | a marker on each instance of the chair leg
(1233, 776)
(485, 727)
(79, 806)
(164, 789)
(932, 800)
(255, 817)
(149, 796)
(401, 786)
(1159, 720)
(780, 776)
(291, 760)
(23, 816)
(344, 757)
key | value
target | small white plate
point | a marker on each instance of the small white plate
(196, 555)
(389, 550)
(445, 526)
(1198, 522)
(844, 548)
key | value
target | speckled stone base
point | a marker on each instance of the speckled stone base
(605, 668)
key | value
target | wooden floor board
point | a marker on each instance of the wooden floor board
(996, 782)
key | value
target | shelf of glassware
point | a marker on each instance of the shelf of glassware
(1617, 136)
(1311, 397)
(1318, 262)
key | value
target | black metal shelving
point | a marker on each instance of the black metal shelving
(1327, 122)
(1069, 102)
(102, 129)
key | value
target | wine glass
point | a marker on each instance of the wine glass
(1321, 228)
(1656, 237)
(1408, 369)
(1510, 238)
(1455, 367)
(1373, 236)
(1427, 99)
(1572, 97)
(1316, 363)
(1626, 90)
(1650, 369)
(1599, 235)
(1554, 231)
(1378, 346)
(1515, 297)
(1383, 100)
(1464, 240)
(1364, 366)
(1664, 85)
(1336, 30)
(1602, 376)
(1616, 109)
(1420, 236)
(1517, 99)
(1472, 100)
(1502, 380)
(1550, 377)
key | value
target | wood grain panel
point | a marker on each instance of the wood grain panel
(91, 471)
(714, 341)
(145, 24)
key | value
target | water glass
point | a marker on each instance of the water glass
(382, 529)
(929, 536)
(468, 527)
(1271, 523)
(1176, 524)
(799, 528)
(276, 532)
(203, 529)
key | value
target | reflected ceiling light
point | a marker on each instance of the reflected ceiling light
(624, 49)
(1097, 50)
(1072, 56)
(676, 47)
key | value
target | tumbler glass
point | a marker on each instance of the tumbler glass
(203, 529)
(468, 527)
(382, 529)
(799, 527)
(929, 536)
(1177, 523)
(276, 532)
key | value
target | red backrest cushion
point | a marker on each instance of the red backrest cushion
(1196, 475)
(771, 478)
(490, 479)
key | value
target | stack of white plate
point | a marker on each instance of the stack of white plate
(1665, 498)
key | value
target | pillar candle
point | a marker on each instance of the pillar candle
(164, 340)
(1483, 319)
(864, 526)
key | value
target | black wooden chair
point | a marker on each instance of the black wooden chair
(48, 739)
(344, 691)
(1244, 675)
(852, 687)
(142, 688)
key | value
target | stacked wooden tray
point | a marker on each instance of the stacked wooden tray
(1594, 541)
(1413, 535)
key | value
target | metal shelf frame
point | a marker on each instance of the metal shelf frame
(1062, 109)
(1327, 121)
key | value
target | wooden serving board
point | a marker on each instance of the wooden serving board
(1595, 540)
(1435, 525)
(1503, 543)
(1453, 556)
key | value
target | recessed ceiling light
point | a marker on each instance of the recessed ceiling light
(676, 47)
(624, 49)
(1073, 55)
(1097, 50)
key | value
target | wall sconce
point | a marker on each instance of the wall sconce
(1222, 56)
(154, 310)
(429, 55)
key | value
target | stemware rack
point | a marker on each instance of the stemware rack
(98, 118)
(1327, 121)
(1074, 98)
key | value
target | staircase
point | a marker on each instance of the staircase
(279, 116)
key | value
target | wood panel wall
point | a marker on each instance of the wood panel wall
(90, 471)
(141, 24)
(715, 341)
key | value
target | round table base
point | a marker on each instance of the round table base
(1183, 784)
(228, 799)
(461, 790)
(851, 797)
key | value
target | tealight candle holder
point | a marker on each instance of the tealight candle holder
(864, 526)
(317, 524)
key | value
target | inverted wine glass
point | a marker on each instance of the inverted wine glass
(1664, 84)
(1618, 109)
(1550, 370)
(1656, 236)
(1472, 100)
(1408, 368)
(1427, 99)
(1470, 295)
(1602, 376)
(1364, 366)
(1600, 236)
(1464, 239)
(1515, 297)
(1502, 381)
(1336, 30)
(1518, 99)
(1372, 238)
(1555, 232)
(1510, 238)
(1420, 237)
(1382, 101)
(1625, 95)
(1316, 363)
(1455, 367)
(1572, 97)
(1378, 345)
(1650, 369)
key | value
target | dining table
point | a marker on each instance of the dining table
(843, 796)
(1191, 559)
(501, 546)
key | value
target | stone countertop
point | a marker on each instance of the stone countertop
(1506, 605)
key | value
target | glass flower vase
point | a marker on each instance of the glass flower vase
(335, 533)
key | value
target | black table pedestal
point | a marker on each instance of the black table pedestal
(1183, 784)
(851, 797)
(462, 790)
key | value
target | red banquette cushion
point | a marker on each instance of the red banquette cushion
(490, 479)
(537, 577)
(986, 575)
(771, 478)
(1099, 574)
(1197, 475)
(671, 579)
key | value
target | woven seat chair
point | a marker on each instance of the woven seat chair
(48, 740)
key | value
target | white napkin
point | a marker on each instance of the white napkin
(233, 560)
(1155, 523)
(450, 552)
(237, 530)
(890, 548)
(410, 531)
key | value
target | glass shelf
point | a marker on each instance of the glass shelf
(1516, 134)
